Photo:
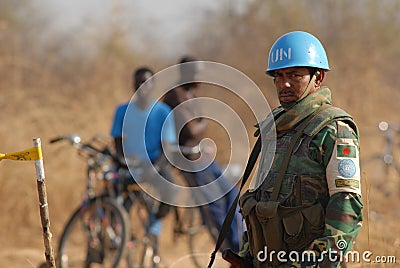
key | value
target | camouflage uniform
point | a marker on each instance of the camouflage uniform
(324, 168)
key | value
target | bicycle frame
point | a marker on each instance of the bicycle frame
(99, 216)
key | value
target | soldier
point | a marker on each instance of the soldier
(305, 210)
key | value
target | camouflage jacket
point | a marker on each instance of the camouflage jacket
(324, 168)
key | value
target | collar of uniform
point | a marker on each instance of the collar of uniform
(303, 109)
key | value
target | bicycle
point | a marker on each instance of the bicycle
(382, 167)
(133, 209)
(195, 223)
(98, 230)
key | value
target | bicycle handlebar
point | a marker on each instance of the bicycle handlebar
(73, 138)
(190, 150)
(75, 141)
(54, 140)
(199, 148)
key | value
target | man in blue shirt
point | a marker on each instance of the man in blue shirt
(140, 128)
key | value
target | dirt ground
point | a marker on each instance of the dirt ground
(379, 235)
(173, 254)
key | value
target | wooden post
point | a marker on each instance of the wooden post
(44, 209)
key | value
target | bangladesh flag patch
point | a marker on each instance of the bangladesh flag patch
(344, 150)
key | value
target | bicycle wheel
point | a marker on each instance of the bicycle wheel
(142, 247)
(95, 235)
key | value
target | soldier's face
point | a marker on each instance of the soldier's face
(290, 83)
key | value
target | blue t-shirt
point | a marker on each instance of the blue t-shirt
(142, 131)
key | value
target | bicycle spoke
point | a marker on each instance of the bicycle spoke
(94, 236)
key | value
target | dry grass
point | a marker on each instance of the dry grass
(28, 114)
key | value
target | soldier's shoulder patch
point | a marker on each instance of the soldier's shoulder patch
(346, 150)
(347, 183)
(347, 168)
(343, 169)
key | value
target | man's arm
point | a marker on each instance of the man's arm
(116, 131)
(175, 96)
(191, 126)
(337, 148)
(343, 221)
(119, 150)
(194, 130)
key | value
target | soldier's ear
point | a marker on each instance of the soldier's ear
(320, 77)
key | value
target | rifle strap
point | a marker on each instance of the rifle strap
(231, 213)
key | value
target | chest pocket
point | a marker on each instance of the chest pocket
(280, 228)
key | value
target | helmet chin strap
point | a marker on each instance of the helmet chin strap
(305, 93)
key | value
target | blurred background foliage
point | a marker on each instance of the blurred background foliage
(54, 83)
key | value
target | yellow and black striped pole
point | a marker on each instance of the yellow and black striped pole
(35, 154)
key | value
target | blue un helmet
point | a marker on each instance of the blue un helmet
(297, 49)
